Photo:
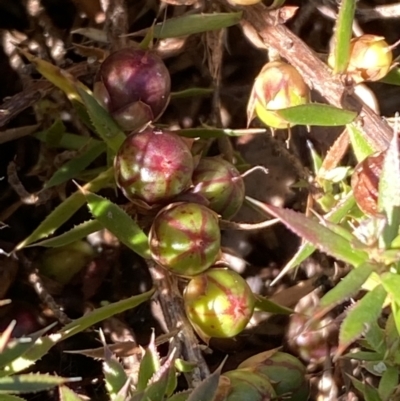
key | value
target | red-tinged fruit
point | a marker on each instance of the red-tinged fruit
(370, 58)
(244, 384)
(278, 86)
(218, 303)
(185, 238)
(287, 373)
(134, 86)
(221, 184)
(153, 166)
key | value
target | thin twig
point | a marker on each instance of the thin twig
(172, 307)
(37, 284)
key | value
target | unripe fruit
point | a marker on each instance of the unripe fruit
(153, 166)
(286, 372)
(221, 184)
(244, 384)
(62, 263)
(134, 86)
(276, 87)
(218, 303)
(185, 238)
(370, 58)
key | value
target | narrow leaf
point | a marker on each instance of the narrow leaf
(359, 318)
(58, 77)
(315, 233)
(106, 127)
(306, 249)
(265, 305)
(149, 365)
(192, 23)
(391, 283)
(388, 383)
(348, 287)
(103, 313)
(66, 209)
(31, 383)
(75, 234)
(361, 147)
(389, 193)
(9, 397)
(19, 346)
(73, 167)
(192, 92)
(118, 222)
(369, 392)
(392, 78)
(322, 115)
(66, 394)
(343, 33)
(68, 141)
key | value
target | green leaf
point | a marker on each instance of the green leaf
(207, 133)
(73, 167)
(58, 77)
(19, 346)
(103, 313)
(391, 283)
(31, 383)
(8, 397)
(149, 365)
(66, 209)
(192, 23)
(364, 356)
(75, 234)
(375, 338)
(369, 392)
(343, 33)
(360, 316)
(182, 396)
(66, 394)
(106, 127)
(392, 78)
(360, 145)
(114, 373)
(388, 383)
(389, 193)
(322, 115)
(192, 92)
(348, 286)
(265, 305)
(118, 222)
(68, 141)
(315, 233)
(306, 249)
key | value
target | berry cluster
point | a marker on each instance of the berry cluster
(155, 169)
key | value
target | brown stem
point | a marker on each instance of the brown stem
(172, 307)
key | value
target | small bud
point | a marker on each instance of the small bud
(134, 86)
(370, 58)
(153, 166)
(185, 238)
(221, 184)
(286, 372)
(62, 263)
(276, 87)
(218, 303)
